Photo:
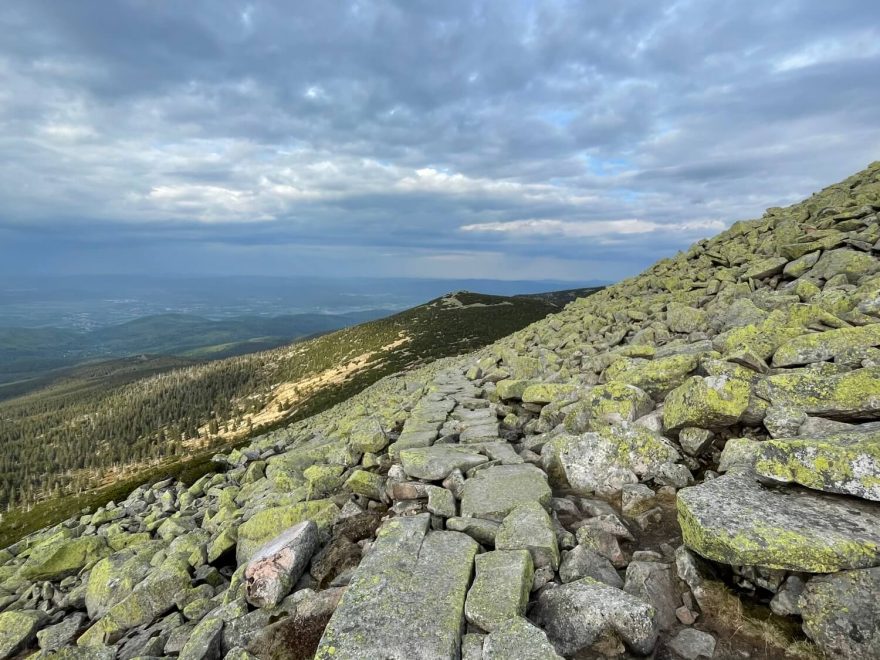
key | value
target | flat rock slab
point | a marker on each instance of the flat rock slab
(529, 527)
(435, 463)
(735, 520)
(846, 463)
(847, 396)
(501, 588)
(496, 491)
(406, 599)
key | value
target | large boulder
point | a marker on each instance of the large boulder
(656, 377)
(61, 558)
(114, 577)
(842, 613)
(735, 520)
(150, 598)
(600, 461)
(406, 599)
(612, 402)
(529, 527)
(716, 401)
(847, 463)
(849, 395)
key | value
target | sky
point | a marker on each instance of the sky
(416, 138)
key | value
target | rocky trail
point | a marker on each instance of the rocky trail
(685, 465)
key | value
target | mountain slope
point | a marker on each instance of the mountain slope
(683, 464)
(100, 424)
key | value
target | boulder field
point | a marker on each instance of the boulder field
(684, 465)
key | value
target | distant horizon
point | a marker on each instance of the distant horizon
(88, 301)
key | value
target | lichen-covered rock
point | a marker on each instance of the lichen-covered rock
(367, 484)
(547, 392)
(406, 599)
(61, 634)
(593, 462)
(150, 598)
(496, 491)
(713, 402)
(847, 463)
(529, 527)
(849, 395)
(58, 559)
(368, 436)
(518, 639)
(695, 441)
(684, 319)
(850, 263)
(512, 389)
(18, 629)
(500, 590)
(322, 479)
(113, 578)
(656, 377)
(576, 615)
(821, 346)
(613, 402)
(841, 613)
(765, 268)
(436, 462)
(269, 523)
(734, 520)
(205, 642)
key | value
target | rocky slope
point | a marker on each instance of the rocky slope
(684, 465)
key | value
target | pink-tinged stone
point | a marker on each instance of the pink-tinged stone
(277, 565)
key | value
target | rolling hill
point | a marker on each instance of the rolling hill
(31, 353)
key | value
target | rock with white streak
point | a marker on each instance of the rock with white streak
(276, 567)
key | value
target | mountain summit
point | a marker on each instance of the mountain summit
(685, 464)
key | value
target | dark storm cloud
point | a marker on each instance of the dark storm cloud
(509, 139)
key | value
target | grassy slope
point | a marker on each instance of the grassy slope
(437, 329)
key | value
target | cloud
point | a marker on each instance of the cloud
(582, 139)
(588, 229)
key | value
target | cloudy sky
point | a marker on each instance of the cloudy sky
(510, 139)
